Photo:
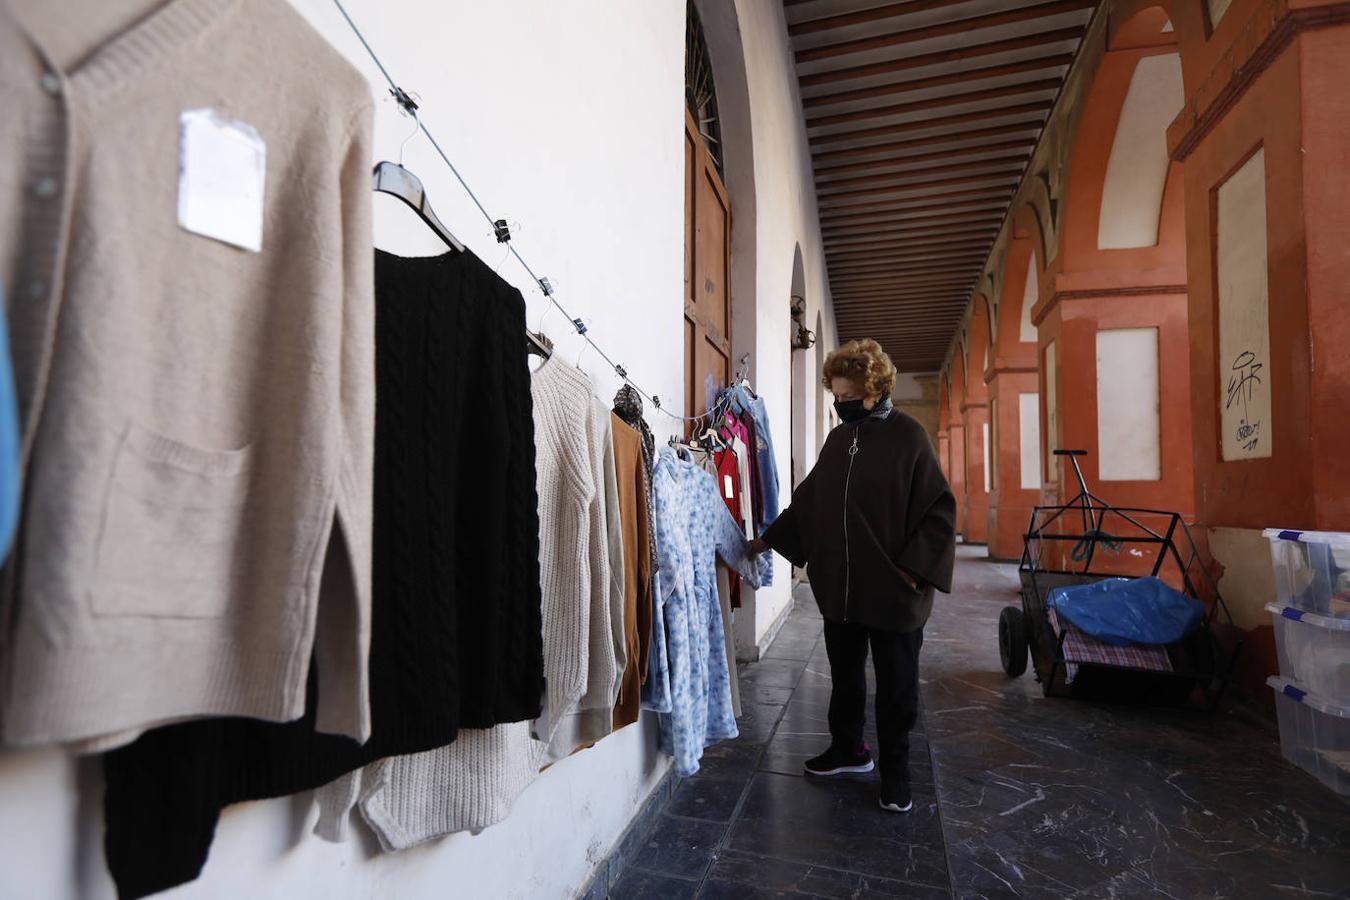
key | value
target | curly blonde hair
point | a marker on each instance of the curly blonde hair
(864, 363)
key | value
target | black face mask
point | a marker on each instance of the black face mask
(851, 411)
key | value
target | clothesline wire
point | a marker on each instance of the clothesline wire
(409, 107)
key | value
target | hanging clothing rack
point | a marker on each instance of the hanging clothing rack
(502, 231)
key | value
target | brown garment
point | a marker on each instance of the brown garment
(875, 506)
(637, 567)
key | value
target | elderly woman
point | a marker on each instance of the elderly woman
(874, 525)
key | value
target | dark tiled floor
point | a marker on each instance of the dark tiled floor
(1015, 795)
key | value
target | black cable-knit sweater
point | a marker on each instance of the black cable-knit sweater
(456, 630)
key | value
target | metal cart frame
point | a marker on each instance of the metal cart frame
(1087, 540)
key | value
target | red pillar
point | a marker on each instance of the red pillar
(1092, 290)
(975, 415)
(1012, 374)
(957, 443)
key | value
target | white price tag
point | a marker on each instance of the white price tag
(222, 165)
(727, 490)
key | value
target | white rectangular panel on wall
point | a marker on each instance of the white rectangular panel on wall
(1051, 415)
(988, 486)
(1129, 435)
(1244, 314)
(1030, 294)
(1029, 426)
(993, 440)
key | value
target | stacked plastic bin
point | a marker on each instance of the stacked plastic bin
(1312, 637)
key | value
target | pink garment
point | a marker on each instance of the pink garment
(733, 427)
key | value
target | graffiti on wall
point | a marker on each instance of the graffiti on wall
(1244, 314)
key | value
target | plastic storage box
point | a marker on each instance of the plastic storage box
(1314, 651)
(1312, 570)
(1314, 734)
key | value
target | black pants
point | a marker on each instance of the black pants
(895, 659)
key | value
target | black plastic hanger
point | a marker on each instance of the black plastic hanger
(393, 179)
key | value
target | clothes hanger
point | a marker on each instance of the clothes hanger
(538, 344)
(393, 179)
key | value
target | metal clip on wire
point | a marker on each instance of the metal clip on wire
(403, 99)
(621, 372)
(579, 325)
(546, 287)
(502, 230)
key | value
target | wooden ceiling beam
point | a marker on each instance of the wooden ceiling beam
(859, 240)
(862, 17)
(881, 240)
(886, 180)
(906, 343)
(1008, 173)
(928, 338)
(902, 288)
(965, 76)
(944, 29)
(941, 57)
(886, 306)
(939, 320)
(838, 241)
(931, 225)
(920, 255)
(866, 212)
(954, 262)
(868, 251)
(911, 250)
(1038, 108)
(889, 147)
(946, 100)
(887, 280)
(969, 271)
(913, 317)
(942, 295)
(1024, 145)
(972, 263)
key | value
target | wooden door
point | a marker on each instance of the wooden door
(707, 273)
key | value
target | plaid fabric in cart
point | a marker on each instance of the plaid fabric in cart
(1081, 647)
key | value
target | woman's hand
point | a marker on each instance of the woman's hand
(758, 546)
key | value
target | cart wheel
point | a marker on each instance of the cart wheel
(1012, 640)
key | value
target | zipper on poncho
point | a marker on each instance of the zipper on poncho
(848, 561)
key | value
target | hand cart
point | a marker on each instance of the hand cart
(1085, 541)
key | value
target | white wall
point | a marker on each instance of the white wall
(786, 216)
(567, 119)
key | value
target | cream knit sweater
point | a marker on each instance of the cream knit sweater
(473, 782)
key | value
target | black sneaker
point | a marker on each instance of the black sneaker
(895, 799)
(837, 762)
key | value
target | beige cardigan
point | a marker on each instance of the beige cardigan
(198, 420)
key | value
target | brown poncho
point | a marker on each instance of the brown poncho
(855, 529)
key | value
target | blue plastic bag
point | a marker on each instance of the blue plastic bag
(1126, 611)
